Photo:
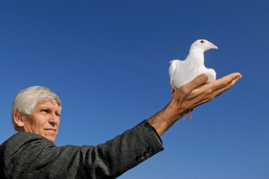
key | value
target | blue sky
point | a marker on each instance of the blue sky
(108, 62)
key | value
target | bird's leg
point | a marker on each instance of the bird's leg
(187, 115)
(191, 113)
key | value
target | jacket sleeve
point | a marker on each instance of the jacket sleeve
(33, 156)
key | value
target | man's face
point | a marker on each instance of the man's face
(44, 120)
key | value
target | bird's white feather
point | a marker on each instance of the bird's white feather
(175, 65)
(182, 72)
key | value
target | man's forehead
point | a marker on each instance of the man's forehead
(48, 104)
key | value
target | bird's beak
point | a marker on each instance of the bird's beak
(214, 46)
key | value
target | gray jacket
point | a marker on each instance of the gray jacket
(30, 156)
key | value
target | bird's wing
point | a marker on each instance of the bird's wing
(175, 65)
(211, 75)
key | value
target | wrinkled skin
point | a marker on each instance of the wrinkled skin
(189, 96)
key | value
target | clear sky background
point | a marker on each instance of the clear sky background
(108, 62)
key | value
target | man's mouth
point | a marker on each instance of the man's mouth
(50, 130)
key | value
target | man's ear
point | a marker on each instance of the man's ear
(18, 118)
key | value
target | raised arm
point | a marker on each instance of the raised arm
(190, 96)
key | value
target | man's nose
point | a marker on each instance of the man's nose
(53, 118)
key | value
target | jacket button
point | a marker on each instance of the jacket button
(140, 158)
(149, 152)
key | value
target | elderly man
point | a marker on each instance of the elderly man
(31, 152)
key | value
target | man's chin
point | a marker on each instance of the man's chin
(50, 137)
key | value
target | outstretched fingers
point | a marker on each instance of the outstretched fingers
(216, 88)
(225, 84)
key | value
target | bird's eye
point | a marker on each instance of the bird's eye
(202, 41)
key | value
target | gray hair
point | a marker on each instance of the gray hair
(27, 99)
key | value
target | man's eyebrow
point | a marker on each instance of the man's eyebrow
(44, 107)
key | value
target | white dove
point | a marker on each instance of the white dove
(182, 72)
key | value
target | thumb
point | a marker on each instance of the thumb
(195, 83)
